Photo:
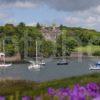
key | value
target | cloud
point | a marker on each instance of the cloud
(72, 5)
(18, 4)
(64, 5)
(32, 24)
(91, 20)
(3, 16)
(72, 20)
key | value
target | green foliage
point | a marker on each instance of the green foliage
(9, 29)
(38, 26)
(66, 44)
(46, 48)
(96, 53)
(34, 33)
(90, 49)
(10, 49)
(96, 41)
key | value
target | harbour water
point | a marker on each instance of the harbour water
(48, 72)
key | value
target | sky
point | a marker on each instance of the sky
(72, 13)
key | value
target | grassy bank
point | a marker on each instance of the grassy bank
(88, 49)
(16, 87)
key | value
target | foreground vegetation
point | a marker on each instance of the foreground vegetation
(17, 88)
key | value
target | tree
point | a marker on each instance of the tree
(38, 26)
(9, 29)
(85, 37)
(46, 48)
(65, 44)
(61, 27)
(21, 29)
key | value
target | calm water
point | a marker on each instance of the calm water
(48, 72)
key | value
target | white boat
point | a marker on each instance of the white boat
(95, 66)
(5, 65)
(34, 65)
(2, 59)
(42, 62)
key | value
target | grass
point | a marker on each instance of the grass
(20, 88)
(88, 49)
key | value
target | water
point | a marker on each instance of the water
(48, 72)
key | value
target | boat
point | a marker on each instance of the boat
(42, 63)
(96, 66)
(62, 62)
(34, 65)
(2, 59)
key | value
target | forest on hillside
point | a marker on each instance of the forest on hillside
(22, 38)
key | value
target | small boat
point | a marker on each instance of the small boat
(95, 66)
(42, 62)
(62, 62)
(34, 65)
(5, 65)
(2, 61)
(2, 58)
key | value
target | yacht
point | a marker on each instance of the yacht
(42, 63)
(34, 65)
(62, 62)
(2, 61)
(2, 58)
(96, 66)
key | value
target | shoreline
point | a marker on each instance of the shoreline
(67, 57)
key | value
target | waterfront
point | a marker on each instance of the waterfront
(48, 72)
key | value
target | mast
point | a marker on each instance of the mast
(36, 53)
(63, 51)
(4, 50)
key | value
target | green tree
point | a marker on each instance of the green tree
(9, 29)
(65, 44)
(46, 48)
(38, 26)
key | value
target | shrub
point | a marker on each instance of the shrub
(96, 53)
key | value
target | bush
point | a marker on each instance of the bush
(96, 53)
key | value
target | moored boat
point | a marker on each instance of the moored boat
(2, 61)
(62, 62)
(95, 66)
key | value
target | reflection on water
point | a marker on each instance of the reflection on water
(48, 72)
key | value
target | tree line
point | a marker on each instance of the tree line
(21, 38)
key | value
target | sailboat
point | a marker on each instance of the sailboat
(96, 66)
(42, 62)
(63, 61)
(34, 65)
(2, 58)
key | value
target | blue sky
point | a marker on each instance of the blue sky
(68, 12)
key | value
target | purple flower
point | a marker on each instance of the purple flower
(38, 98)
(26, 98)
(78, 93)
(92, 89)
(51, 91)
(2, 98)
(97, 98)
